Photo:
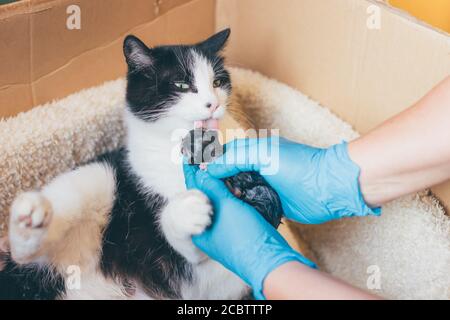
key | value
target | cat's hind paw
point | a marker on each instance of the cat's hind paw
(30, 216)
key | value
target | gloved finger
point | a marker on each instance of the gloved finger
(189, 175)
(251, 142)
(238, 143)
(203, 242)
(235, 159)
(214, 188)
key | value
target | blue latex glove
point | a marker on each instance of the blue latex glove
(315, 185)
(239, 238)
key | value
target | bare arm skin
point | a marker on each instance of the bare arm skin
(407, 153)
(295, 281)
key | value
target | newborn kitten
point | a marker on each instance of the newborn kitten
(121, 227)
(201, 146)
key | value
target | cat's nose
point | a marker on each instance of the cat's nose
(212, 106)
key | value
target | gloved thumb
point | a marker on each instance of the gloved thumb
(189, 175)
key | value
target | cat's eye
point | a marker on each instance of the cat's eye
(183, 86)
(217, 83)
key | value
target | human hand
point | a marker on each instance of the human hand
(239, 238)
(315, 185)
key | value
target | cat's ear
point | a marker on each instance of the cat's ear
(137, 54)
(215, 43)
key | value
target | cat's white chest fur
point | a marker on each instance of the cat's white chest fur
(155, 155)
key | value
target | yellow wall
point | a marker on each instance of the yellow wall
(434, 12)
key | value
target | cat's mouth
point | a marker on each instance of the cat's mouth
(211, 124)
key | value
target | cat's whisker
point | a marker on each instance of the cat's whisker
(241, 115)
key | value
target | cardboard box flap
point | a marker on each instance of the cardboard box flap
(330, 51)
(38, 44)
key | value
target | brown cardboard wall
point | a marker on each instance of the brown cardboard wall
(325, 49)
(41, 59)
(15, 46)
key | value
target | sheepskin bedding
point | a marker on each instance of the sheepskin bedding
(403, 254)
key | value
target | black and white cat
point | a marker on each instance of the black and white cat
(123, 225)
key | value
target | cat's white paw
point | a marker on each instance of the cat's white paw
(187, 214)
(30, 216)
(191, 213)
(30, 210)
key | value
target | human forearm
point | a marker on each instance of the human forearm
(295, 281)
(407, 153)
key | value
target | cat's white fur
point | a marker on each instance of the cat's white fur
(63, 222)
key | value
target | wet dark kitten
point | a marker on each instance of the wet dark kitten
(203, 146)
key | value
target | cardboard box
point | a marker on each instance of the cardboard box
(43, 59)
(362, 59)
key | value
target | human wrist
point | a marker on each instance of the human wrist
(277, 284)
(275, 261)
(343, 196)
(375, 181)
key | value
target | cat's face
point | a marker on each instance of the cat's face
(183, 82)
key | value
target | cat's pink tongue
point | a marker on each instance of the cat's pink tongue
(211, 124)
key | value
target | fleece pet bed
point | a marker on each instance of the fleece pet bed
(403, 254)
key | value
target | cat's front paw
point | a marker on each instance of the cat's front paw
(30, 216)
(191, 213)
(187, 214)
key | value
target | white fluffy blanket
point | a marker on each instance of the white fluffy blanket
(405, 253)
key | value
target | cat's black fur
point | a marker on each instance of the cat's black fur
(134, 248)
(28, 282)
